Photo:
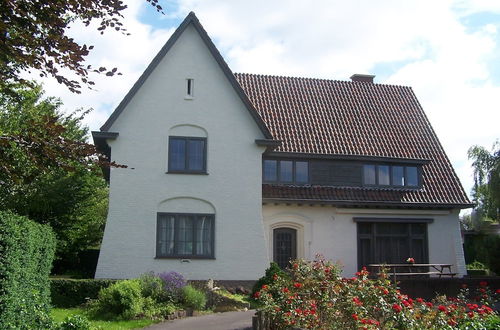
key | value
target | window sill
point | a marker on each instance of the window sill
(187, 172)
(188, 98)
(185, 257)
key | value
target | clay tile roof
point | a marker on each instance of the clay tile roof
(330, 117)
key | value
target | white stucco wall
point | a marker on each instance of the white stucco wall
(232, 188)
(331, 232)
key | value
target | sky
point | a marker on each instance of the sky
(447, 51)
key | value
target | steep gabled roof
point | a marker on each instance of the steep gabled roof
(343, 118)
(191, 19)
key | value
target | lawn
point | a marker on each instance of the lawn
(59, 314)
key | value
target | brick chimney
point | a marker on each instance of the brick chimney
(368, 78)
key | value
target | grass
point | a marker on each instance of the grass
(59, 314)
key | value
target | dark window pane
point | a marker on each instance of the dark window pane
(411, 176)
(166, 235)
(365, 228)
(177, 154)
(203, 236)
(196, 157)
(270, 170)
(418, 229)
(286, 171)
(398, 176)
(383, 175)
(301, 172)
(185, 235)
(369, 174)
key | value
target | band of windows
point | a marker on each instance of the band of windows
(387, 175)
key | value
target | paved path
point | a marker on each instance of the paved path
(217, 321)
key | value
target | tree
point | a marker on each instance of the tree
(33, 35)
(47, 170)
(486, 190)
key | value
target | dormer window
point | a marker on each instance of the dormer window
(390, 176)
(285, 171)
(189, 88)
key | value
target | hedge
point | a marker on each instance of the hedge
(26, 254)
(71, 293)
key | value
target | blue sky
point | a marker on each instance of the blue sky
(447, 50)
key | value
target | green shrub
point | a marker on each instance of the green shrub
(272, 272)
(75, 322)
(193, 298)
(67, 293)
(153, 286)
(26, 255)
(122, 300)
(485, 249)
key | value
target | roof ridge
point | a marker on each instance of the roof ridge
(262, 75)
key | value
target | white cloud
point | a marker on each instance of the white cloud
(447, 63)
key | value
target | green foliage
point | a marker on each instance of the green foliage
(59, 315)
(477, 265)
(486, 190)
(484, 249)
(193, 298)
(34, 36)
(122, 300)
(153, 286)
(48, 172)
(72, 293)
(271, 273)
(26, 254)
(75, 322)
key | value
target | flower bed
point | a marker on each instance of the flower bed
(316, 296)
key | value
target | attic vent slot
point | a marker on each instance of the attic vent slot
(189, 88)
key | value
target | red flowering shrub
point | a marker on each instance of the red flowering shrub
(315, 296)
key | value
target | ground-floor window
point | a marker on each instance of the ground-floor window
(185, 235)
(391, 242)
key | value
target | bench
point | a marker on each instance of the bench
(416, 270)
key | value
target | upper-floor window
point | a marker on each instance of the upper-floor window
(390, 175)
(187, 154)
(285, 171)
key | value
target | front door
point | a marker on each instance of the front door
(284, 246)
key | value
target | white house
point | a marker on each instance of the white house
(227, 172)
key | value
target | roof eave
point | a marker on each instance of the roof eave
(368, 203)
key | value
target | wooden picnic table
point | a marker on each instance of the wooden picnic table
(410, 269)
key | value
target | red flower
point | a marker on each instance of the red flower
(297, 285)
(428, 304)
(275, 277)
(264, 287)
(285, 290)
(442, 308)
(420, 300)
(256, 294)
(483, 283)
(397, 308)
(471, 314)
(357, 301)
(327, 270)
(298, 311)
(355, 316)
(406, 303)
(295, 266)
(385, 291)
(497, 291)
